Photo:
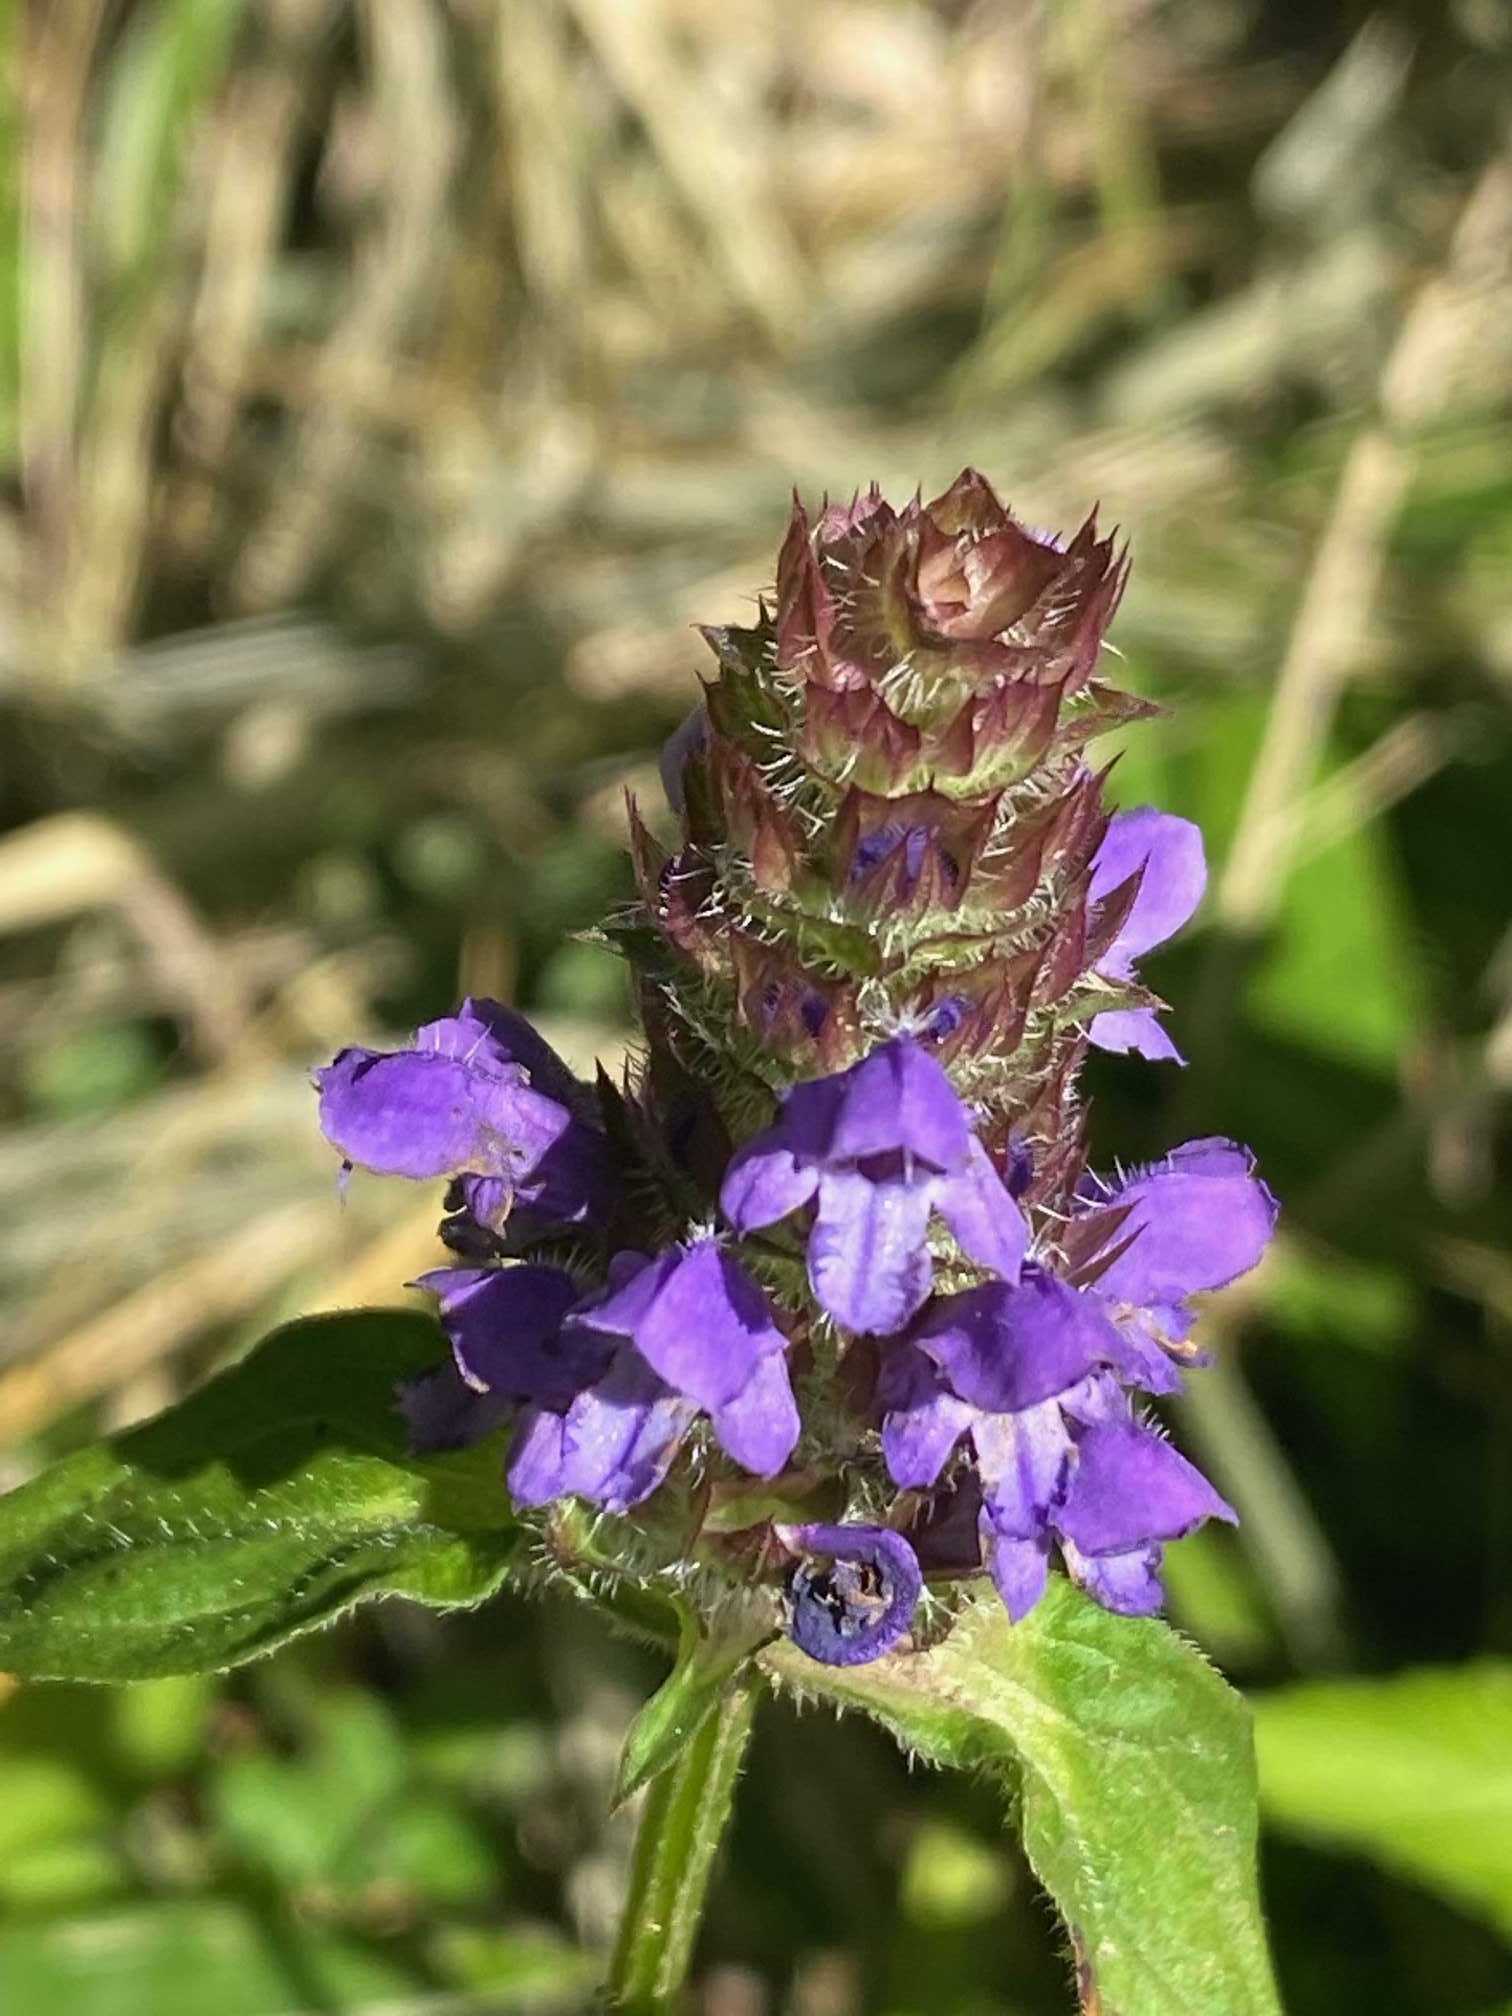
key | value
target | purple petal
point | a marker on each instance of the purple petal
(1133, 1032)
(504, 1325)
(536, 1467)
(1005, 1348)
(1023, 1460)
(989, 1227)
(442, 1412)
(515, 1038)
(411, 1114)
(764, 1183)
(1175, 874)
(698, 1320)
(634, 1283)
(858, 1600)
(759, 1427)
(899, 1100)
(1019, 1568)
(922, 1420)
(868, 1261)
(1202, 1218)
(1130, 1487)
(1128, 1583)
(1143, 1359)
(621, 1436)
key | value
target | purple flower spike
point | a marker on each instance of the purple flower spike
(877, 1148)
(858, 1599)
(1169, 852)
(479, 1095)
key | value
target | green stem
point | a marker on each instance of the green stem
(682, 1824)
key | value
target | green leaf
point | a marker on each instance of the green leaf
(699, 1680)
(265, 1505)
(1412, 1771)
(187, 1956)
(1341, 974)
(1132, 1765)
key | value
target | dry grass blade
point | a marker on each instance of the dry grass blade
(409, 133)
(142, 1330)
(708, 151)
(77, 861)
(60, 44)
(251, 162)
(1331, 620)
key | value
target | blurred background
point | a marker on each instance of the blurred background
(386, 385)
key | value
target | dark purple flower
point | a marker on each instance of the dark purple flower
(857, 1600)
(506, 1330)
(441, 1411)
(612, 1382)
(877, 1148)
(1169, 852)
(479, 1096)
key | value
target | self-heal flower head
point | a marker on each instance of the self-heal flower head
(612, 1382)
(479, 1096)
(1166, 853)
(877, 1148)
(895, 896)
(853, 1593)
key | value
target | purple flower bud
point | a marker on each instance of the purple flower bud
(858, 1599)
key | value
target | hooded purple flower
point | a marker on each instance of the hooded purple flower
(613, 1382)
(1169, 852)
(877, 1148)
(855, 1602)
(479, 1096)
(1075, 1467)
(1195, 1220)
(1031, 1374)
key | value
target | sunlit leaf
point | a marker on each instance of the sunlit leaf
(1131, 1762)
(265, 1505)
(1412, 1771)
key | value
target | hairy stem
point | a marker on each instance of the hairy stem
(682, 1824)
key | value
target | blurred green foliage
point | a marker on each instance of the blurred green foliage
(385, 385)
